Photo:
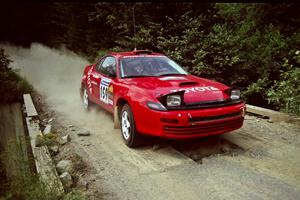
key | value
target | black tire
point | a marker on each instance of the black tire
(85, 99)
(131, 137)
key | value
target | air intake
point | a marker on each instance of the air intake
(188, 83)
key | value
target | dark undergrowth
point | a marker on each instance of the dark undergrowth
(12, 86)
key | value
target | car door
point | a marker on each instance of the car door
(94, 79)
(107, 74)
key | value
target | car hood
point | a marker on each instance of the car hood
(196, 89)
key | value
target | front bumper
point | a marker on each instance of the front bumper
(182, 124)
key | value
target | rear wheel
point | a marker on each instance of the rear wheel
(131, 137)
(85, 100)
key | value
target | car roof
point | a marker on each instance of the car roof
(136, 53)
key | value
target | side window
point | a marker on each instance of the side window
(99, 64)
(107, 66)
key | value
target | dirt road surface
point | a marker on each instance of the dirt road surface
(259, 161)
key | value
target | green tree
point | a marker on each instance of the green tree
(242, 44)
(12, 85)
(285, 93)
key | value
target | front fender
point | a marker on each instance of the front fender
(137, 102)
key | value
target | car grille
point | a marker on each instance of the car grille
(205, 128)
(207, 104)
(207, 118)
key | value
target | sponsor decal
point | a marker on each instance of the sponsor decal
(196, 89)
(96, 75)
(110, 93)
(94, 82)
(106, 91)
(88, 81)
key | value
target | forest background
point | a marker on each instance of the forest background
(255, 46)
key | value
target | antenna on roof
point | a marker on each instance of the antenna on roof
(134, 27)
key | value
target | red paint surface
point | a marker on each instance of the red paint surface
(138, 91)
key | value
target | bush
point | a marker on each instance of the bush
(237, 44)
(286, 91)
(49, 139)
(4, 61)
(12, 85)
(238, 48)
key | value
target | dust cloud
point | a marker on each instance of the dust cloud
(56, 74)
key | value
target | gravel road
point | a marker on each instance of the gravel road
(259, 161)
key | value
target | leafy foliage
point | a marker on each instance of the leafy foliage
(286, 91)
(49, 139)
(242, 44)
(12, 85)
(4, 61)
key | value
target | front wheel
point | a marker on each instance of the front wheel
(129, 133)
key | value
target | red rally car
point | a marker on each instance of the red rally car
(150, 94)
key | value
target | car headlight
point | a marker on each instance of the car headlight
(235, 94)
(173, 100)
(155, 106)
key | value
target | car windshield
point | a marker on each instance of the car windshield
(142, 66)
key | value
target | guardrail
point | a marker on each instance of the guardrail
(43, 162)
(275, 116)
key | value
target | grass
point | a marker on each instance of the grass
(13, 86)
(22, 183)
(18, 179)
(74, 195)
(49, 139)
